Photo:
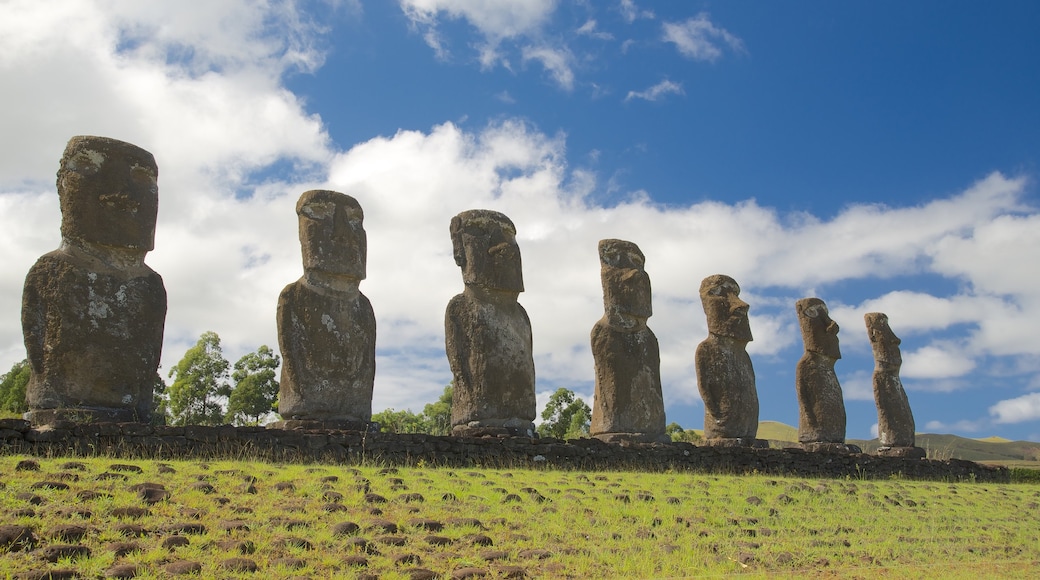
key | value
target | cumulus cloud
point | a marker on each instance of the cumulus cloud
(1017, 410)
(698, 39)
(657, 92)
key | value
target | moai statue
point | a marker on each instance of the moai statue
(92, 310)
(326, 326)
(895, 421)
(821, 420)
(725, 376)
(487, 333)
(628, 405)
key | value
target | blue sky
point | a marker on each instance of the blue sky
(880, 156)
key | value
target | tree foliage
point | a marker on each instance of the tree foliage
(565, 416)
(12, 387)
(198, 379)
(677, 433)
(392, 421)
(437, 415)
(255, 393)
(435, 418)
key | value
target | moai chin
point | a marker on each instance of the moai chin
(895, 420)
(326, 326)
(821, 420)
(725, 377)
(628, 404)
(92, 310)
(487, 333)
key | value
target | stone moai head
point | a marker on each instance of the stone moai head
(626, 286)
(884, 342)
(819, 332)
(727, 314)
(484, 244)
(332, 234)
(108, 193)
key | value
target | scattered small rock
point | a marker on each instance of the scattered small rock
(239, 565)
(175, 542)
(56, 552)
(181, 567)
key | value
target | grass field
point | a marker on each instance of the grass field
(224, 519)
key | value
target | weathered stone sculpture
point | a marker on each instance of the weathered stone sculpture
(725, 376)
(628, 404)
(895, 421)
(326, 326)
(821, 420)
(92, 310)
(487, 333)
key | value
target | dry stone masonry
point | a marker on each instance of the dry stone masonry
(326, 326)
(821, 418)
(895, 421)
(92, 310)
(487, 332)
(725, 376)
(628, 405)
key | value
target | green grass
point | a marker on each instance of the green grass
(556, 524)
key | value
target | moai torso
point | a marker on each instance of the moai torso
(821, 405)
(628, 402)
(487, 333)
(326, 326)
(895, 420)
(92, 310)
(328, 349)
(489, 349)
(725, 377)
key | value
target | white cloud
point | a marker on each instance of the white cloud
(698, 39)
(936, 361)
(656, 92)
(556, 61)
(858, 386)
(1017, 410)
(874, 431)
(630, 12)
(965, 425)
(590, 29)
(495, 20)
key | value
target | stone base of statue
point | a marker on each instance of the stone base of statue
(41, 417)
(828, 447)
(735, 442)
(326, 424)
(492, 428)
(905, 452)
(632, 438)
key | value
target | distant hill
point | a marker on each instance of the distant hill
(990, 449)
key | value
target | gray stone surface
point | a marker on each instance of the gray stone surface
(92, 310)
(487, 333)
(895, 420)
(821, 417)
(326, 326)
(628, 403)
(725, 377)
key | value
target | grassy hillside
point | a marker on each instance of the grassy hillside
(990, 449)
(94, 517)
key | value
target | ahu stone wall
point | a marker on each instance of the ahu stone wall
(136, 440)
